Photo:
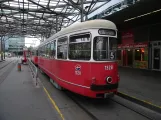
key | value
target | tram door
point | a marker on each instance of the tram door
(156, 58)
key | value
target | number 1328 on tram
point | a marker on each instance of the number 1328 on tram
(82, 58)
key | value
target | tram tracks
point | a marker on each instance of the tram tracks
(112, 109)
(82, 107)
(94, 107)
(141, 110)
(5, 70)
(2, 66)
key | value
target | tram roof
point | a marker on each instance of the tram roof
(91, 24)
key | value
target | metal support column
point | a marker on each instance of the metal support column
(86, 17)
(1, 49)
(56, 24)
(82, 19)
(4, 49)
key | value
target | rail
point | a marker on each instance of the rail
(34, 70)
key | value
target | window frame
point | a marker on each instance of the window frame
(43, 49)
(54, 42)
(79, 34)
(48, 49)
(107, 36)
(64, 37)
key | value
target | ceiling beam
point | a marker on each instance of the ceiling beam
(53, 12)
(31, 10)
(2, 1)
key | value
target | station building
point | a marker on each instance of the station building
(139, 35)
(16, 44)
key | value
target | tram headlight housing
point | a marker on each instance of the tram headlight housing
(109, 79)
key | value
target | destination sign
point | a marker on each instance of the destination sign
(107, 32)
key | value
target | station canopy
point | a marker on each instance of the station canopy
(42, 17)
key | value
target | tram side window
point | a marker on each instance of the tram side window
(62, 48)
(43, 51)
(80, 47)
(37, 53)
(33, 53)
(139, 54)
(53, 49)
(48, 50)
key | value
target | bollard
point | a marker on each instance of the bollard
(19, 66)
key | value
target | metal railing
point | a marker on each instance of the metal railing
(34, 70)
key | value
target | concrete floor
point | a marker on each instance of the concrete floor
(143, 84)
(20, 99)
(102, 109)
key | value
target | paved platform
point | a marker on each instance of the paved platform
(142, 84)
(2, 60)
(20, 99)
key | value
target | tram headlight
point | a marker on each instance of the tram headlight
(109, 80)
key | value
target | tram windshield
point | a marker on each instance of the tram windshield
(80, 47)
(104, 48)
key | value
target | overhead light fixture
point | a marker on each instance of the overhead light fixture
(142, 15)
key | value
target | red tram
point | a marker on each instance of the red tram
(82, 58)
(25, 55)
(34, 56)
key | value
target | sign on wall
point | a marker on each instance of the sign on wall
(134, 45)
(127, 37)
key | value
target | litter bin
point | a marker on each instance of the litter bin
(19, 66)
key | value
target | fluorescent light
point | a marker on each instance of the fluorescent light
(142, 15)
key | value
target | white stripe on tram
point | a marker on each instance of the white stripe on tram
(65, 80)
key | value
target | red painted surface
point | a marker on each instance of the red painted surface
(64, 73)
(24, 56)
(34, 59)
(134, 45)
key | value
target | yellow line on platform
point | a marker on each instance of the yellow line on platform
(147, 102)
(54, 104)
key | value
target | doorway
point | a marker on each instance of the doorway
(128, 57)
(156, 58)
(124, 57)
